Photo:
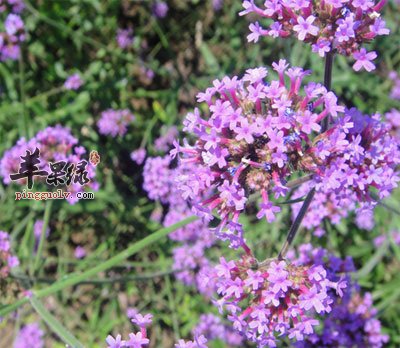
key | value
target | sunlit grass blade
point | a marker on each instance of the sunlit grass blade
(54, 324)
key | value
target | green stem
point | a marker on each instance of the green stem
(72, 279)
(24, 114)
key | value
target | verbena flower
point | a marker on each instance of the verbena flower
(160, 181)
(79, 252)
(273, 299)
(159, 9)
(328, 26)
(73, 82)
(395, 92)
(258, 134)
(394, 235)
(125, 38)
(353, 320)
(11, 39)
(30, 336)
(212, 328)
(138, 156)
(55, 144)
(7, 259)
(164, 142)
(115, 122)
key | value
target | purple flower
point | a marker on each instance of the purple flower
(363, 60)
(116, 342)
(305, 27)
(137, 340)
(125, 38)
(160, 9)
(73, 82)
(333, 24)
(115, 122)
(139, 155)
(30, 336)
(142, 321)
(79, 252)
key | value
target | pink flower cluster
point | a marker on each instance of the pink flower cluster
(258, 134)
(115, 122)
(11, 39)
(55, 144)
(273, 298)
(7, 259)
(340, 26)
(73, 82)
(353, 320)
(140, 339)
(190, 261)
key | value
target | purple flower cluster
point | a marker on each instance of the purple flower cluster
(352, 321)
(30, 336)
(37, 230)
(258, 134)
(115, 122)
(159, 9)
(140, 339)
(198, 342)
(11, 39)
(164, 142)
(136, 340)
(394, 235)
(73, 82)
(125, 38)
(395, 92)
(393, 119)
(14, 6)
(138, 155)
(7, 259)
(55, 144)
(274, 297)
(329, 25)
(212, 328)
(190, 260)
(14, 34)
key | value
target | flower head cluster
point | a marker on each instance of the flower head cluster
(258, 134)
(340, 26)
(14, 6)
(115, 122)
(136, 340)
(164, 142)
(393, 119)
(140, 339)
(273, 298)
(7, 259)
(212, 328)
(352, 321)
(395, 92)
(30, 336)
(190, 261)
(73, 82)
(382, 238)
(138, 156)
(55, 144)
(125, 38)
(14, 33)
(159, 9)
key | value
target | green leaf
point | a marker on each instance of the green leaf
(54, 324)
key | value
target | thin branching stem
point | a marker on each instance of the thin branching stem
(307, 201)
